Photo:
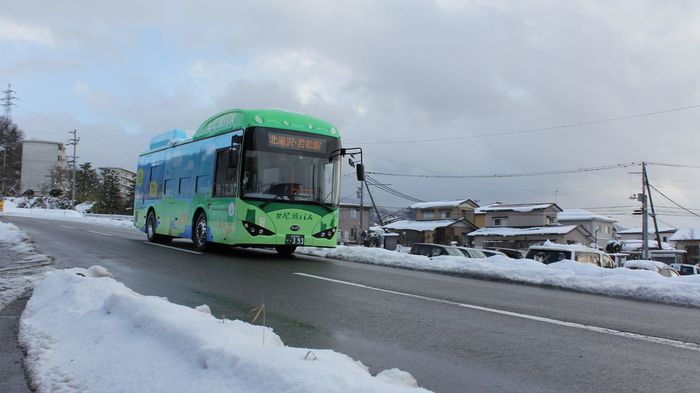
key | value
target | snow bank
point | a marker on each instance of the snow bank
(20, 265)
(88, 333)
(621, 282)
(124, 222)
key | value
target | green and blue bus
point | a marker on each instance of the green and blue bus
(251, 178)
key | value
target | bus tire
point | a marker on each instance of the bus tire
(285, 250)
(151, 234)
(199, 232)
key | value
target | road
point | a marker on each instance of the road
(453, 334)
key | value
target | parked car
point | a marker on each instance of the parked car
(435, 250)
(490, 253)
(509, 252)
(472, 252)
(552, 252)
(654, 266)
(685, 269)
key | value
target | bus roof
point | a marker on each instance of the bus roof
(236, 119)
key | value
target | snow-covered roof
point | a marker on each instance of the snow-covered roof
(515, 207)
(547, 245)
(686, 234)
(634, 231)
(435, 204)
(506, 231)
(582, 215)
(420, 226)
(636, 245)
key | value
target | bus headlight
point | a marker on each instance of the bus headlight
(256, 230)
(327, 234)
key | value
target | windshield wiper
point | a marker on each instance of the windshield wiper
(325, 206)
(278, 196)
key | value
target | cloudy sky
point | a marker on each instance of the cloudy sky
(390, 75)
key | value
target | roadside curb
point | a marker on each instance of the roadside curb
(12, 374)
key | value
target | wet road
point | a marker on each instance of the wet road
(453, 334)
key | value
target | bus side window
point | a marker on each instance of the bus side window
(225, 175)
(155, 182)
(203, 185)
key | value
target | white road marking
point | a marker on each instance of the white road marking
(101, 233)
(641, 337)
(66, 226)
(174, 248)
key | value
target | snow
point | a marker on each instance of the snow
(20, 264)
(436, 204)
(420, 226)
(650, 230)
(124, 222)
(515, 207)
(581, 215)
(685, 234)
(636, 245)
(85, 333)
(645, 264)
(507, 231)
(584, 277)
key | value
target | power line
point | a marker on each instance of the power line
(508, 175)
(7, 101)
(386, 188)
(530, 130)
(674, 202)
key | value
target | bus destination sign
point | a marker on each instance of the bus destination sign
(302, 143)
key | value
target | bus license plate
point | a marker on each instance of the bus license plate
(294, 240)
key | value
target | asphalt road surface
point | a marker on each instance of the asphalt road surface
(453, 334)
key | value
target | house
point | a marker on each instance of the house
(351, 215)
(431, 231)
(523, 238)
(688, 240)
(43, 166)
(636, 233)
(445, 210)
(601, 228)
(517, 215)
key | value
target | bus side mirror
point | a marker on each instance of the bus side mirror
(360, 168)
(232, 158)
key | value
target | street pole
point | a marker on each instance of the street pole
(4, 174)
(645, 220)
(362, 210)
(73, 141)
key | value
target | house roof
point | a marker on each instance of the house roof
(686, 234)
(636, 245)
(582, 215)
(435, 204)
(420, 226)
(635, 231)
(507, 231)
(515, 207)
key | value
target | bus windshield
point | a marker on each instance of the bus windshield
(290, 166)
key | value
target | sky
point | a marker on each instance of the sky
(388, 75)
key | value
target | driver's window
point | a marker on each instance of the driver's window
(225, 177)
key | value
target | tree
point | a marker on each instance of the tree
(109, 201)
(87, 183)
(11, 145)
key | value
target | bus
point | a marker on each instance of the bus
(250, 178)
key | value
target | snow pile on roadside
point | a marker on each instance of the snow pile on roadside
(637, 284)
(124, 222)
(20, 265)
(88, 333)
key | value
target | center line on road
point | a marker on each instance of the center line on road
(174, 248)
(101, 233)
(66, 226)
(641, 337)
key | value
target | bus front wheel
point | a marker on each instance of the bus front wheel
(285, 250)
(199, 234)
(151, 234)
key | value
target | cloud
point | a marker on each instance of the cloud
(16, 32)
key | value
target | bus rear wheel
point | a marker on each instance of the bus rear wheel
(151, 234)
(199, 234)
(285, 250)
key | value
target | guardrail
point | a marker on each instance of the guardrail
(117, 216)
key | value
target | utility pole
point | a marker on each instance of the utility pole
(74, 159)
(645, 218)
(362, 210)
(653, 211)
(4, 158)
(7, 102)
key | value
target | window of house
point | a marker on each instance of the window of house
(499, 221)
(353, 213)
(551, 220)
(446, 214)
(428, 215)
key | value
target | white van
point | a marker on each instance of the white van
(552, 252)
